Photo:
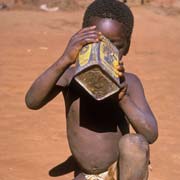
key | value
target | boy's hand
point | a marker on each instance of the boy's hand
(120, 71)
(122, 91)
(78, 40)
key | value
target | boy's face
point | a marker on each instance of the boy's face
(113, 30)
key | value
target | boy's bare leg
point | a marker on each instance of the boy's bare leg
(134, 157)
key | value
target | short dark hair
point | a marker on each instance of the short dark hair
(113, 9)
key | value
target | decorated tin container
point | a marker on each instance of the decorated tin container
(96, 69)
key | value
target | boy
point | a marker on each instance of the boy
(98, 131)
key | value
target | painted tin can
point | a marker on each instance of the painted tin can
(96, 69)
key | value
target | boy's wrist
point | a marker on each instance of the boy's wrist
(63, 62)
(68, 59)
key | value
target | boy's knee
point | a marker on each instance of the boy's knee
(134, 145)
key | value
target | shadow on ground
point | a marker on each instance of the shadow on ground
(69, 165)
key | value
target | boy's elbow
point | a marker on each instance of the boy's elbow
(153, 137)
(152, 132)
(30, 104)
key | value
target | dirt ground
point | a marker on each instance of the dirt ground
(33, 143)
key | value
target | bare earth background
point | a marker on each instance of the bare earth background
(34, 142)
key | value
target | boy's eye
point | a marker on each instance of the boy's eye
(118, 46)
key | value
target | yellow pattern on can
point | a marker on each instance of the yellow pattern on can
(84, 55)
(113, 59)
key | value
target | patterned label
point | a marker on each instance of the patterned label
(84, 55)
(109, 59)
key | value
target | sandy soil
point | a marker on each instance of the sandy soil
(33, 143)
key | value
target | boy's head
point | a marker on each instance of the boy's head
(113, 13)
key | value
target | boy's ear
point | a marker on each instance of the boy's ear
(126, 48)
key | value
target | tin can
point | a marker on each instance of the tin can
(96, 69)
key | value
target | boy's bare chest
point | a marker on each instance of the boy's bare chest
(98, 116)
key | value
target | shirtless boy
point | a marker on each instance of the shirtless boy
(98, 131)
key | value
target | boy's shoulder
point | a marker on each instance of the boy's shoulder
(130, 77)
(133, 81)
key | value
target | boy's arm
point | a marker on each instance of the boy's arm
(44, 87)
(137, 110)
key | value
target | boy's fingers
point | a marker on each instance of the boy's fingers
(90, 33)
(122, 79)
(88, 36)
(87, 29)
(118, 73)
(87, 40)
(82, 40)
(123, 91)
(120, 68)
(84, 30)
(121, 63)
